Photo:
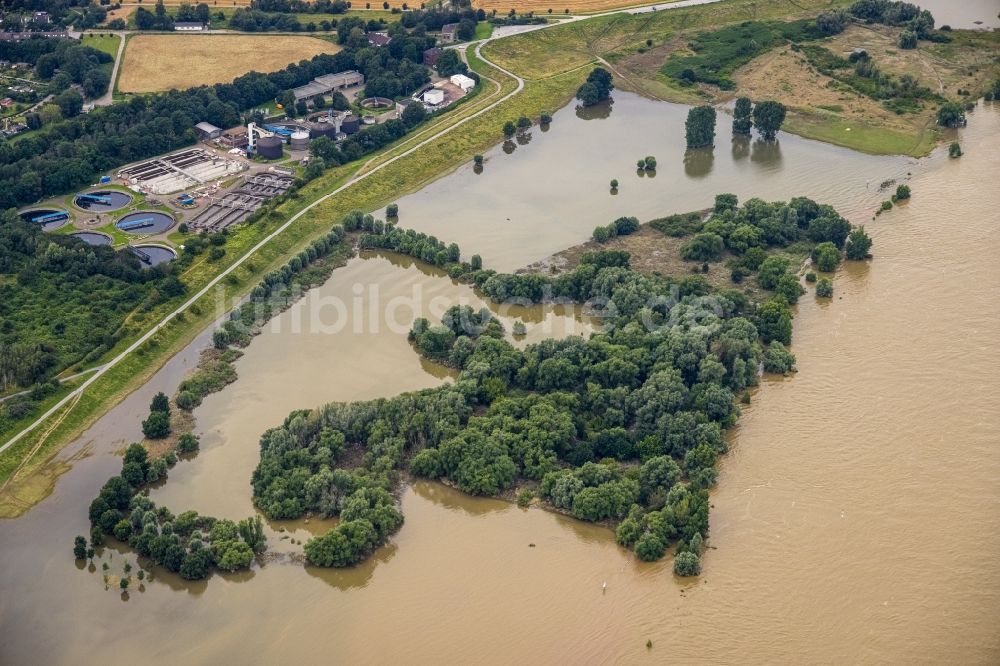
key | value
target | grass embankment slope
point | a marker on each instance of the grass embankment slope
(154, 63)
(37, 478)
(813, 99)
(558, 7)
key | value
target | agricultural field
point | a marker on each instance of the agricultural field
(154, 63)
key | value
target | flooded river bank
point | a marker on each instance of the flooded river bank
(856, 518)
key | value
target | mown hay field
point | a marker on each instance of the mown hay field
(154, 63)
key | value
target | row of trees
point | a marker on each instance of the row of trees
(768, 116)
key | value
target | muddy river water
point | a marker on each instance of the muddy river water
(856, 518)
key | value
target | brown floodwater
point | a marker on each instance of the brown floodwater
(343, 341)
(550, 192)
(971, 14)
(856, 518)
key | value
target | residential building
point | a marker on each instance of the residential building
(431, 56)
(449, 33)
(378, 39)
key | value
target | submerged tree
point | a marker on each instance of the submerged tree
(700, 127)
(858, 244)
(742, 112)
(768, 117)
(951, 114)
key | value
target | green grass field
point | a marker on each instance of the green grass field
(107, 43)
(483, 30)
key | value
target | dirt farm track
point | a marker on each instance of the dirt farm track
(153, 63)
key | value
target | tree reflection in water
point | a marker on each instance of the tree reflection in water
(698, 163)
(598, 111)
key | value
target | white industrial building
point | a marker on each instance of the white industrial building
(463, 82)
(189, 26)
(433, 97)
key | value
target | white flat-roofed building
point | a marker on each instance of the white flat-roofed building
(463, 82)
(433, 97)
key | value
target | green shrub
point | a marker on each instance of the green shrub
(703, 247)
(826, 256)
(824, 288)
(678, 225)
(687, 564)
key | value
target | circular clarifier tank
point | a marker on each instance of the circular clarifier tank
(145, 222)
(49, 218)
(153, 255)
(93, 238)
(102, 201)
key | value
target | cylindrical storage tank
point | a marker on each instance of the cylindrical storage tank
(299, 141)
(269, 147)
(323, 129)
(351, 124)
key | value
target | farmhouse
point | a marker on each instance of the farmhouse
(463, 82)
(189, 26)
(327, 83)
(207, 131)
(449, 33)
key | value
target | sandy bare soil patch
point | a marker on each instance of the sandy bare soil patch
(786, 76)
(154, 63)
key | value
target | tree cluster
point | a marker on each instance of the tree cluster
(627, 424)
(62, 62)
(188, 544)
(623, 226)
(158, 19)
(596, 88)
(63, 301)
